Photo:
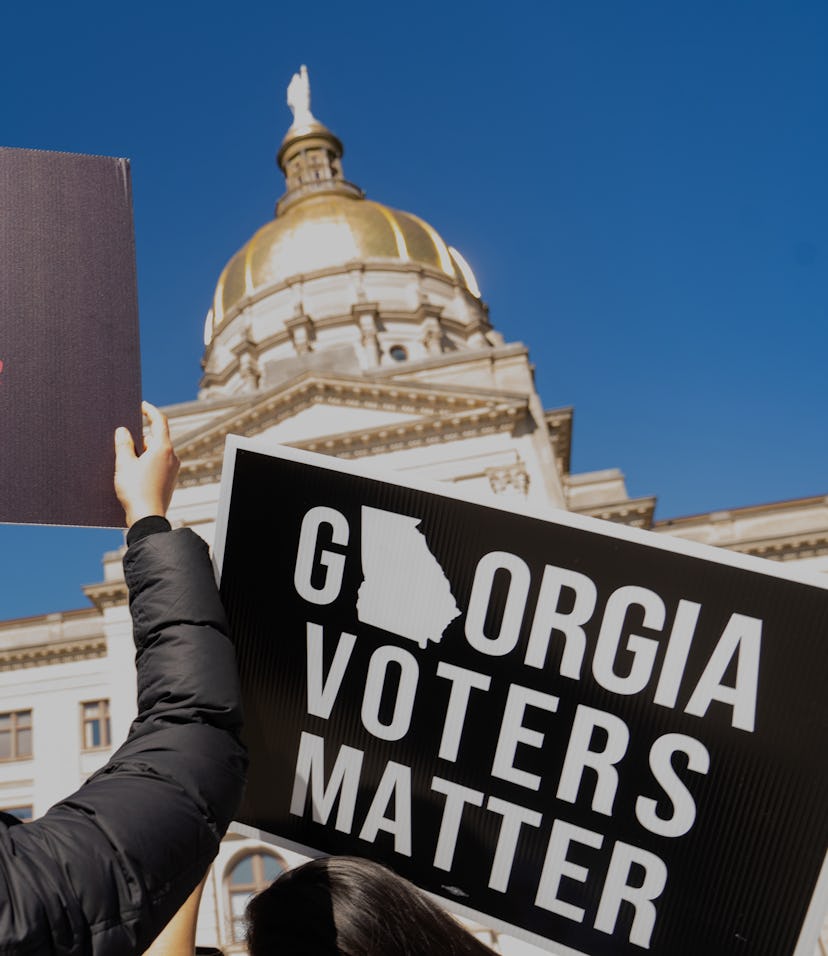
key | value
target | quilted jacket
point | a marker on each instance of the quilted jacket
(104, 870)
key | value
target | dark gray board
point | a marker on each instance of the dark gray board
(69, 342)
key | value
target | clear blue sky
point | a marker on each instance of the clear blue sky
(639, 186)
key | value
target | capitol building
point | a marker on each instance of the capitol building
(347, 328)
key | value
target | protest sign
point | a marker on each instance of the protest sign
(69, 354)
(600, 739)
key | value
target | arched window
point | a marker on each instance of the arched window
(398, 352)
(247, 875)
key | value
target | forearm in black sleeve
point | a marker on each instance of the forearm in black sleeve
(105, 869)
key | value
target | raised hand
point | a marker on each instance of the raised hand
(144, 483)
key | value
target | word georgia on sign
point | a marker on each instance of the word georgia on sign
(741, 639)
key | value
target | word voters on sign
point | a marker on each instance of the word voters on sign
(601, 740)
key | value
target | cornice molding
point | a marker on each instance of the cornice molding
(408, 371)
(791, 548)
(313, 388)
(636, 512)
(415, 434)
(482, 419)
(206, 472)
(51, 619)
(747, 511)
(59, 652)
(107, 594)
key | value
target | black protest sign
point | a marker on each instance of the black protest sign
(604, 740)
(69, 351)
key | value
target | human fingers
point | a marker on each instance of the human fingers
(159, 428)
(124, 445)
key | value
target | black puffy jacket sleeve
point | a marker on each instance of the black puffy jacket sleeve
(104, 870)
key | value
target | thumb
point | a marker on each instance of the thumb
(124, 445)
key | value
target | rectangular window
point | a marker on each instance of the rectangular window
(15, 735)
(96, 728)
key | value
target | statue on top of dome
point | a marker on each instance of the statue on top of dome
(298, 98)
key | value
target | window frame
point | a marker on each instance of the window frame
(103, 717)
(260, 882)
(14, 730)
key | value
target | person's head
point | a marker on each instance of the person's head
(346, 906)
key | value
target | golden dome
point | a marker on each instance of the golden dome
(323, 223)
(328, 231)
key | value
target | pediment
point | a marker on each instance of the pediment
(325, 418)
(349, 416)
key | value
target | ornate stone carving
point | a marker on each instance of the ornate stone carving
(301, 332)
(433, 335)
(509, 479)
(367, 320)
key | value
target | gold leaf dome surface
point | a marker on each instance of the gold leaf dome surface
(329, 231)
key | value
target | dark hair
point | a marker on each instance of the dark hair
(347, 906)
